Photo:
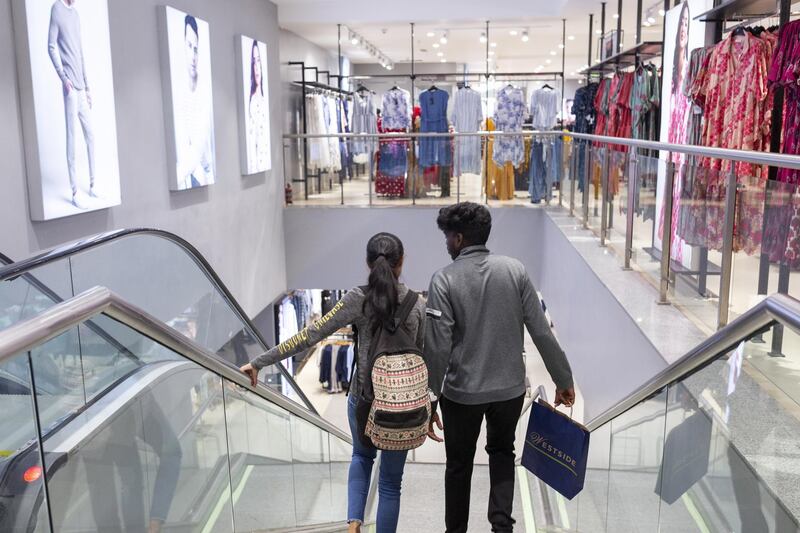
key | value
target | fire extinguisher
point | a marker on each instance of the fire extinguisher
(287, 190)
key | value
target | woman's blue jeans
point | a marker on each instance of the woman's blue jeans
(389, 481)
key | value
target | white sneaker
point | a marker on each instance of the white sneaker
(77, 203)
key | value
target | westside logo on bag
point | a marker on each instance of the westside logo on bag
(541, 445)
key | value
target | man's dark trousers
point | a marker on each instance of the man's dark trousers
(462, 427)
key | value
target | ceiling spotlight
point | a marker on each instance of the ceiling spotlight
(616, 15)
(491, 52)
(483, 37)
(493, 45)
(443, 38)
(436, 45)
(548, 61)
(651, 20)
(389, 67)
(525, 37)
(442, 60)
(430, 34)
(661, 12)
(647, 24)
(439, 54)
(540, 67)
(552, 52)
(354, 40)
(580, 82)
(513, 33)
(598, 31)
(561, 45)
(571, 37)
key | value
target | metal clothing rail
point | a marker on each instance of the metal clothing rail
(20, 268)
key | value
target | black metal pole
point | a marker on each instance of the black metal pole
(344, 170)
(638, 26)
(601, 50)
(591, 38)
(619, 27)
(414, 171)
(775, 146)
(305, 124)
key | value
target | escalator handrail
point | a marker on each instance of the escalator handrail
(18, 268)
(28, 334)
(778, 308)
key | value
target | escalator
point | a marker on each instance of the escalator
(135, 434)
(711, 444)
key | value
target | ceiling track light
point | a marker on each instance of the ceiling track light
(371, 49)
(661, 12)
(513, 33)
(483, 37)
(443, 38)
(525, 37)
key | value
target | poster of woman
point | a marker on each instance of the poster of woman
(254, 115)
(683, 34)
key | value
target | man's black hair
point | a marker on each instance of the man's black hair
(190, 22)
(471, 220)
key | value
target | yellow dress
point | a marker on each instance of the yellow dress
(499, 183)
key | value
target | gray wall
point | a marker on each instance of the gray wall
(295, 48)
(237, 223)
(325, 248)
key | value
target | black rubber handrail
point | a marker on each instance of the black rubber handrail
(19, 268)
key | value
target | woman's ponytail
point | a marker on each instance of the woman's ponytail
(384, 254)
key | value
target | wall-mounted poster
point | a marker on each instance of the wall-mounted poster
(683, 34)
(254, 106)
(190, 109)
(67, 95)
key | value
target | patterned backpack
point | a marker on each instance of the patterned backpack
(397, 395)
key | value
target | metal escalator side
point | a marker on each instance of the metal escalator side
(709, 444)
(183, 443)
(157, 271)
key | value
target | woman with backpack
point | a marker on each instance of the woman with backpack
(374, 311)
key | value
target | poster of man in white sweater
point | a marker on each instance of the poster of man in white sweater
(69, 112)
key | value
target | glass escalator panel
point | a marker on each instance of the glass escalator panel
(164, 444)
(716, 451)
(157, 275)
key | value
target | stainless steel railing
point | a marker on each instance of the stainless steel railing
(27, 334)
(776, 308)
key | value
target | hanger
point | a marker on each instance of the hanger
(433, 88)
(739, 31)
(362, 89)
(547, 86)
(394, 88)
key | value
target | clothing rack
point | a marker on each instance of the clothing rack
(305, 84)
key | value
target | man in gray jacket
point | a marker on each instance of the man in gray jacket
(477, 308)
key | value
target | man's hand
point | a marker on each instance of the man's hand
(431, 433)
(68, 86)
(565, 397)
(251, 372)
(88, 98)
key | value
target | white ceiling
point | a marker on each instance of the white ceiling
(387, 26)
